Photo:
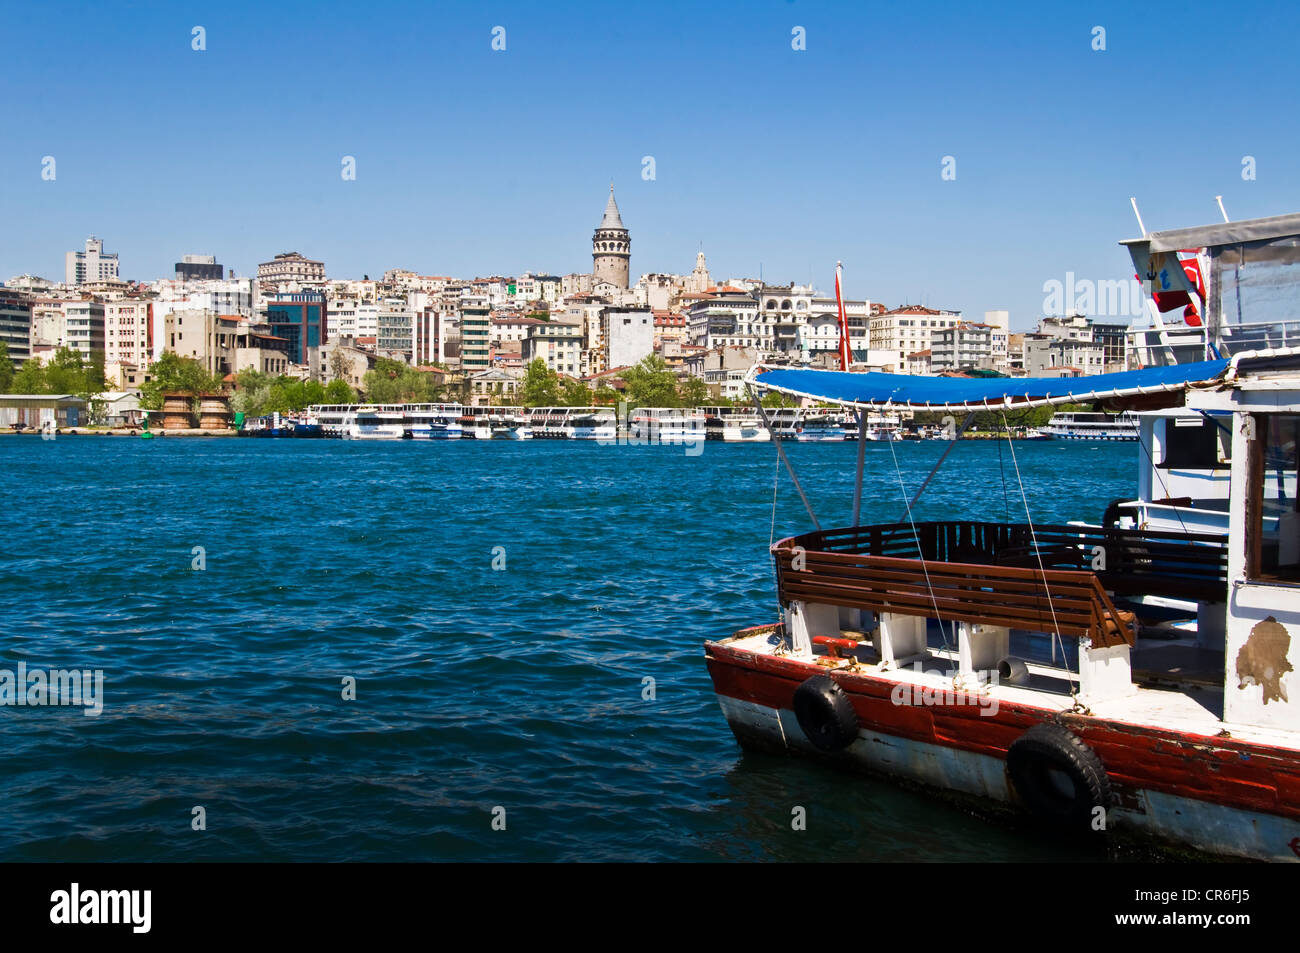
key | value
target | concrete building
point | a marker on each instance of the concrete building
(83, 325)
(303, 319)
(627, 336)
(192, 267)
(558, 344)
(611, 247)
(16, 325)
(90, 265)
(965, 346)
(909, 329)
(204, 336)
(128, 334)
(288, 267)
(723, 369)
(726, 316)
(475, 326)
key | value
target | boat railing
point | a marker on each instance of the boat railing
(1053, 578)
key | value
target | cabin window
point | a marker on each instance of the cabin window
(1197, 444)
(1273, 514)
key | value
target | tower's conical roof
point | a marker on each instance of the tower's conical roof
(612, 219)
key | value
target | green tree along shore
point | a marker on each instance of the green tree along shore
(649, 384)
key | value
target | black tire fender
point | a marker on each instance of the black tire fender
(825, 714)
(1058, 777)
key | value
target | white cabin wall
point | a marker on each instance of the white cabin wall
(1261, 686)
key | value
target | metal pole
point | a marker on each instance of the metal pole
(780, 451)
(951, 443)
(862, 454)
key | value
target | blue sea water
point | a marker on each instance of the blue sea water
(477, 688)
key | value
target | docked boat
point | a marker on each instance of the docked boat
(990, 660)
(734, 425)
(665, 425)
(573, 423)
(433, 421)
(1128, 675)
(821, 428)
(1091, 426)
(386, 422)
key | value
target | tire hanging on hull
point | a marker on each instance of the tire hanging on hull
(1059, 778)
(825, 714)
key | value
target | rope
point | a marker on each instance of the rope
(1041, 568)
(776, 578)
(920, 553)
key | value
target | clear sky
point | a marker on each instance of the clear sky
(472, 161)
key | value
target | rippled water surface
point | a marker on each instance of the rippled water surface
(476, 688)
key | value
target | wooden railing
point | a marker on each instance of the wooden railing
(991, 573)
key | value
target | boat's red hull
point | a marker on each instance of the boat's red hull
(1151, 770)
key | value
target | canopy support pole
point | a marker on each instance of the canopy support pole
(780, 452)
(862, 455)
(944, 456)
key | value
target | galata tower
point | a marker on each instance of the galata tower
(611, 248)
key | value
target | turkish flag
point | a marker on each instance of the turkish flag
(1169, 300)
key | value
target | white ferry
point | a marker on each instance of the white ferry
(434, 421)
(573, 423)
(384, 422)
(734, 425)
(1091, 426)
(665, 425)
(821, 427)
(495, 423)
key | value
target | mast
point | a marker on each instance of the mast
(845, 353)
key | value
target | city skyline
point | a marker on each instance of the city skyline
(470, 160)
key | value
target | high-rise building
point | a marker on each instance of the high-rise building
(611, 247)
(300, 318)
(194, 267)
(90, 265)
(286, 267)
(16, 325)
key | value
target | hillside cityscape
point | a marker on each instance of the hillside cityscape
(291, 336)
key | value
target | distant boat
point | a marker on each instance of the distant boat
(1087, 426)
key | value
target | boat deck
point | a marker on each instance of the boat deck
(1171, 691)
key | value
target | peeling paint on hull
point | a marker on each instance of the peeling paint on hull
(1223, 797)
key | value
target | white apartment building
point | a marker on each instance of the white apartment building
(909, 329)
(127, 325)
(726, 317)
(557, 343)
(81, 267)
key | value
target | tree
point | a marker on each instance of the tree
(651, 384)
(777, 399)
(339, 392)
(541, 385)
(67, 372)
(694, 392)
(392, 382)
(175, 374)
(6, 369)
(574, 393)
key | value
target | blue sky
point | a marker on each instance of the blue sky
(471, 161)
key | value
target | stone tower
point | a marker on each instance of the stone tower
(611, 248)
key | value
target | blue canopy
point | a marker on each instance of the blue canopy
(956, 393)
